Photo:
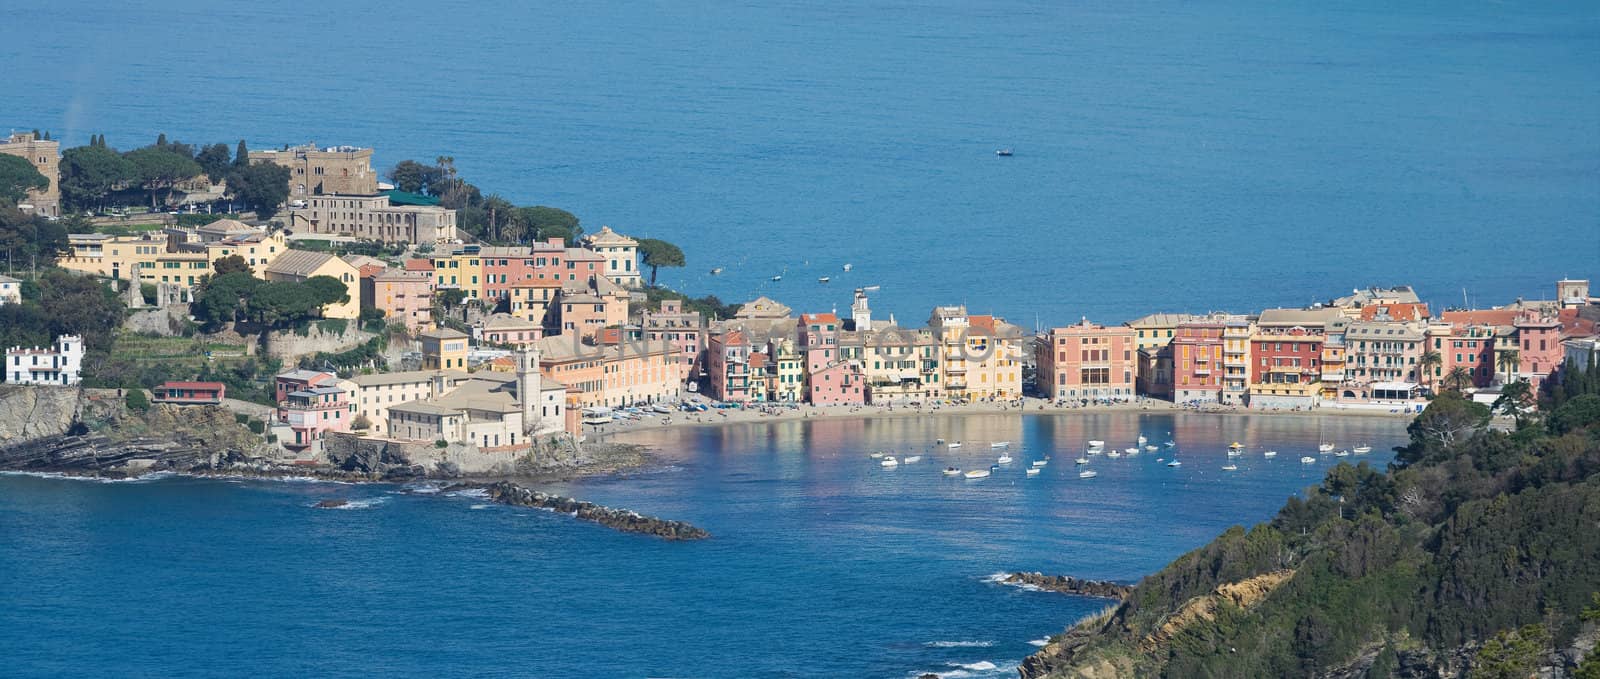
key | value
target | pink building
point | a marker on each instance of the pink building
(838, 384)
(550, 260)
(679, 329)
(1086, 362)
(728, 366)
(1197, 361)
(403, 296)
(299, 380)
(1539, 346)
(312, 413)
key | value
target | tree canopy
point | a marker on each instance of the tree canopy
(161, 168)
(214, 161)
(658, 253)
(90, 173)
(238, 296)
(17, 177)
(230, 264)
(261, 186)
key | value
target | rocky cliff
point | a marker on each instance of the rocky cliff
(113, 441)
(28, 413)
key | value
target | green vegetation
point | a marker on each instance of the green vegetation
(491, 218)
(238, 296)
(29, 241)
(709, 306)
(1474, 536)
(659, 253)
(60, 303)
(136, 401)
(17, 178)
(260, 186)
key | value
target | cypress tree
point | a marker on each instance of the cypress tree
(161, 141)
(241, 157)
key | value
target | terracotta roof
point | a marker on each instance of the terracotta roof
(419, 265)
(608, 237)
(1400, 312)
(984, 322)
(192, 385)
(1480, 317)
(819, 318)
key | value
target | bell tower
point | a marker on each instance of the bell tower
(529, 382)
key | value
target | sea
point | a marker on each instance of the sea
(1168, 156)
(822, 562)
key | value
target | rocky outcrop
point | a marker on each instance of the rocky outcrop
(624, 520)
(1070, 585)
(1242, 594)
(29, 412)
(166, 438)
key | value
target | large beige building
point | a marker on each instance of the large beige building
(45, 155)
(980, 356)
(315, 171)
(297, 266)
(371, 217)
(621, 253)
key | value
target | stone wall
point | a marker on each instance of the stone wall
(166, 322)
(288, 346)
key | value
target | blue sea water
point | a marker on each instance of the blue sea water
(1169, 156)
(822, 563)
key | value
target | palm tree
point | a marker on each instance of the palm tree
(1430, 361)
(1509, 360)
(1458, 378)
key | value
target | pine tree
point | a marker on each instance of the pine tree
(241, 157)
(161, 141)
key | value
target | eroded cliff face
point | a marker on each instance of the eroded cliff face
(89, 431)
(28, 413)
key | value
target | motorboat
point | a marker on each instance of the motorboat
(1003, 153)
(1082, 460)
(1236, 446)
(1270, 453)
(1096, 444)
(977, 474)
(848, 267)
(1230, 467)
(1041, 463)
(889, 462)
(1361, 449)
(912, 458)
(1151, 449)
(1130, 451)
(1033, 471)
(1003, 459)
(1113, 454)
(1234, 452)
(999, 444)
(778, 277)
(824, 279)
(1088, 474)
(661, 409)
(956, 444)
(1308, 460)
(1170, 444)
(1174, 463)
(716, 271)
(1342, 453)
(1142, 439)
(952, 471)
(1325, 448)
(878, 455)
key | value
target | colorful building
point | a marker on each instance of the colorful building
(682, 330)
(299, 266)
(313, 412)
(190, 393)
(403, 296)
(621, 255)
(444, 349)
(728, 369)
(1087, 362)
(508, 331)
(1236, 364)
(1197, 364)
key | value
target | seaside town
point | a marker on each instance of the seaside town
(381, 317)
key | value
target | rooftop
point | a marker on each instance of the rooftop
(299, 263)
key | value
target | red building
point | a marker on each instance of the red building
(1286, 368)
(191, 393)
(1197, 361)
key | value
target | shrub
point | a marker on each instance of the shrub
(241, 418)
(136, 400)
(257, 426)
(441, 443)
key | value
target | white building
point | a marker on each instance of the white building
(1583, 352)
(10, 290)
(61, 365)
(621, 253)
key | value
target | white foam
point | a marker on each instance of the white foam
(1040, 642)
(480, 493)
(959, 644)
(364, 503)
(481, 506)
(143, 478)
(980, 666)
(1000, 579)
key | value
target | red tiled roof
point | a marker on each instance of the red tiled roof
(985, 323)
(1481, 317)
(370, 270)
(819, 318)
(419, 265)
(1400, 312)
(758, 360)
(193, 385)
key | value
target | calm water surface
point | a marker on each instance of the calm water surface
(1169, 156)
(822, 564)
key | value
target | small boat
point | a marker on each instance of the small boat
(1130, 451)
(1004, 459)
(1362, 449)
(1234, 452)
(1088, 474)
(1003, 153)
(1308, 460)
(1170, 444)
(1096, 444)
(939, 441)
(999, 444)
(824, 279)
(952, 471)
(1082, 460)
(889, 462)
(1342, 453)
(778, 277)
(1174, 463)
(956, 444)
(661, 409)
(1151, 449)
(1230, 467)
(1325, 448)
(1270, 453)
(977, 474)
(716, 271)
(912, 458)
(877, 455)
(848, 267)
(1236, 446)
(1033, 471)
(1041, 463)
(1113, 454)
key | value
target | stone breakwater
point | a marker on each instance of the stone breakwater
(1070, 585)
(624, 520)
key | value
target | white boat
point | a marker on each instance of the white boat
(1113, 454)
(889, 462)
(824, 279)
(877, 455)
(1342, 453)
(1325, 448)
(1088, 474)
(1033, 471)
(1003, 153)
(1270, 453)
(1362, 449)
(1170, 444)
(1082, 460)
(1236, 446)
(1003, 459)
(661, 409)
(778, 277)
(1041, 463)
(848, 267)
(1234, 452)
(1130, 451)
(1142, 439)
(952, 471)
(1230, 467)
(1151, 449)
(1096, 444)
(716, 271)
(977, 474)
(1174, 463)
(956, 444)
(912, 458)
(1308, 460)
(999, 444)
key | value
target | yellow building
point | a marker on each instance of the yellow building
(444, 349)
(1155, 331)
(297, 266)
(789, 365)
(145, 258)
(980, 356)
(460, 270)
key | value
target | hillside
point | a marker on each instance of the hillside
(1477, 554)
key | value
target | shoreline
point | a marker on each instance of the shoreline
(1032, 406)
